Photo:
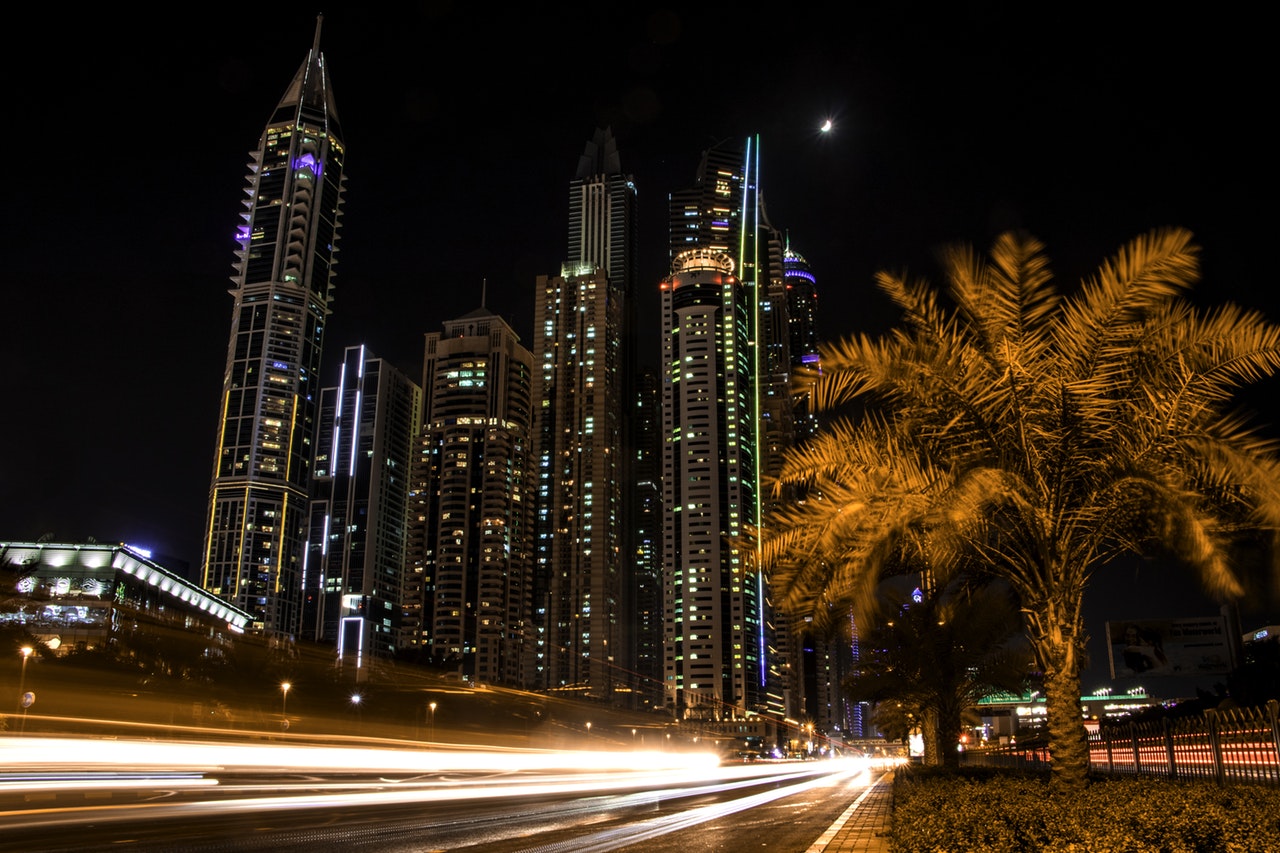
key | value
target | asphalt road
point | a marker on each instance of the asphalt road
(469, 803)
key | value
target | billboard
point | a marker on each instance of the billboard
(1181, 647)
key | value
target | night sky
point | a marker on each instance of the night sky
(127, 137)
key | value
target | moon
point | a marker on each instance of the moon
(826, 126)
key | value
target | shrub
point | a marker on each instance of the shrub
(1002, 811)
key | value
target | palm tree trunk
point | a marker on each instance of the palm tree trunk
(1068, 743)
(1057, 637)
(929, 731)
(949, 725)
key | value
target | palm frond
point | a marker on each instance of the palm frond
(1097, 326)
(1005, 301)
(1031, 436)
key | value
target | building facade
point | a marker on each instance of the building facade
(353, 576)
(645, 601)
(75, 596)
(802, 331)
(468, 585)
(283, 286)
(715, 643)
(583, 352)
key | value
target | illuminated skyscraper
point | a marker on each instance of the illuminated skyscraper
(802, 318)
(353, 576)
(715, 644)
(283, 286)
(583, 357)
(468, 580)
(777, 421)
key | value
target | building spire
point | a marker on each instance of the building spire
(600, 156)
(310, 88)
(484, 286)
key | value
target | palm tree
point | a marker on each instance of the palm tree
(936, 657)
(1038, 434)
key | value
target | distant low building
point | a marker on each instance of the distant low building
(86, 595)
(1265, 634)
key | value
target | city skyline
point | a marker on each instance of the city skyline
(113, 437)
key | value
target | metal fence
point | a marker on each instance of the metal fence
(1224, 746)
(1232, 745)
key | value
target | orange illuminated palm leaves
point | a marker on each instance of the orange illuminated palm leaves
(1036, 433)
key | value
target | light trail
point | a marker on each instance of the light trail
(83, 753)
(166, 765)
(27, 782)
(633, 833)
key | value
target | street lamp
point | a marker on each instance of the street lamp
(26, 652)
(284, 704)
(355, 704)
(431, 736)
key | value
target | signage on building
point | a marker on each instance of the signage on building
(1178, 647)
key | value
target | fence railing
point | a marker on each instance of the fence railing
(1230, 745)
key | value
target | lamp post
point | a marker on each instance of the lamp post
(355, 704)
(284, 704)
(431, 731)
(26, 652)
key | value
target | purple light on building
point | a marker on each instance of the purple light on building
(308, 162)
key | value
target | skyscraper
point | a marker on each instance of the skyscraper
(584, 376)
(472, 502)
(645, 599)
(283, 286)
(773, 349)
(802, 319)
(352, 580)
(776, 424)
(715, 644)
(823, 662)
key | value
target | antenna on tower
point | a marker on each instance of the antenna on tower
(315, 47)
(484, 285)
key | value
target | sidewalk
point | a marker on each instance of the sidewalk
(864, 826)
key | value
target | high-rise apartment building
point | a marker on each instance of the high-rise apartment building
(802, 318)
(583, 356)
(352, 579)
(602, 213)
(715, 645)
(823, 662)
(468, 594)
(645, 599)
(283, 286)
(773, 350)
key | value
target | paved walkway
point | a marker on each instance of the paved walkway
(864, 826)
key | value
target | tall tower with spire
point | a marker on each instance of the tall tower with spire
(582, 386)
(283, 288)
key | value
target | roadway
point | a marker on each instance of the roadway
(80, 794)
